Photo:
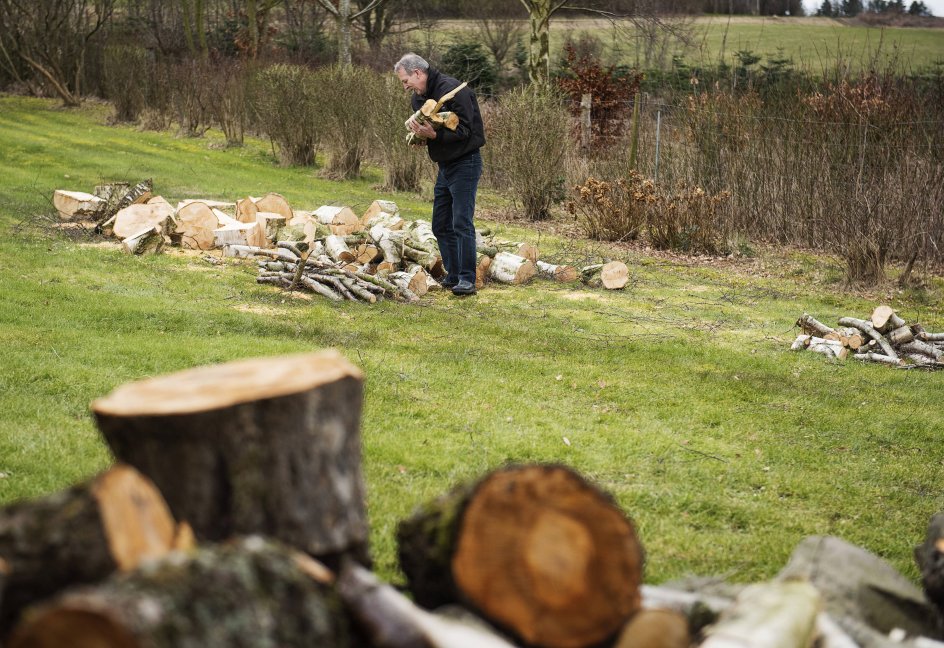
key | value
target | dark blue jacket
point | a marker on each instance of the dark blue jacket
(469, 136)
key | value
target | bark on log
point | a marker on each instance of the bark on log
(422, 232)
(612, 276)
(900, 335)
(924, 336)
(812, 326)
(770, 615)
(378, 206)
(237, 234)
(147, 241)
(390, 620)
(252, 593)
(267, 445)
(338, 250)
(388, 243)
(113, 522)
(390, 221)
(75, 204)
(135, 218)
(418, 279)
(870, 331)
(561, 273)
(276, 204)
(195, 224)
(871, 356)
(270, 225)
(341, 220)
(921, 348)
(510, 268)
(535, 549)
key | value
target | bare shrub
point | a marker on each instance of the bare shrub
(613, 211)
(282, 101)
(189, 96)
(688, 221)
(528, 135)
(226, 100)
(126, 79)
(402, 164)
(346, 97)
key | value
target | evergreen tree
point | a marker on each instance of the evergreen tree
(918, 8)
(851, 7)
(825, 9)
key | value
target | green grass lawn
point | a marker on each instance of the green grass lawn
(677, 394)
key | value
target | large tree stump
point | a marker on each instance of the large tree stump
(267, 445)
(535, 549)
(81, 535)
(251, 593)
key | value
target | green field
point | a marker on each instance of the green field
(677, 394)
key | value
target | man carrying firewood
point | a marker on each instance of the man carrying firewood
(460, 165)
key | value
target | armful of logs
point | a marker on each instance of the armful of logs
(429, 113)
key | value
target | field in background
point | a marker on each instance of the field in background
(677, 394)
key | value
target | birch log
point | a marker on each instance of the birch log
(250, 593)
(341, 220)
(613, 275)
(378, 206)
(276, 204)
(267, 445)
(338, 250)
(135, 218)
(510, 268)
(560, 273)
(195, 224)
(812, 326)
(148, 241)
(535, 549)
(869, 330)
(769, 615)
(246, 210)
(112, 522)
(72, 204)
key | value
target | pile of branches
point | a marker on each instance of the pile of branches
(884, 338)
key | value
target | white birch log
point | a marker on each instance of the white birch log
(881, 315)
(236, 234)
(801, 343)
(422, 232)
(249, 251)
(870, 331)
(385, 240)
(809, 324)
(560, 273)
(148, 241)
(387, 206)
(72, 204)
(925, 336)
(270, 224)
(768, 615)
(390, 221)
(131, 220)
(195, 224)
(613, 275)
(337, 249)
(921, 348)
(900, 335)
(511, 268)
(418, 279)
(871, 356)
(831, 348)
(341, 220)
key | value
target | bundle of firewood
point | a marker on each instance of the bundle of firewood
(884, 337)
(237, 517)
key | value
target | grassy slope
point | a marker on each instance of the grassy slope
(677, 394)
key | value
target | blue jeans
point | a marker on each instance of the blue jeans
(453, 208)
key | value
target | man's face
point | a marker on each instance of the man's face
(415, 80)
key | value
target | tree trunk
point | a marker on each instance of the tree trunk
(535, 549)
(251, 593)
(267, 445)
(113, 522)
(539, 19)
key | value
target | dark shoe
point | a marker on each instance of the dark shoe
(448, 285)
(464, 288)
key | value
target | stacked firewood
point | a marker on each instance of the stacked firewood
(884, 338)
(330, 251)
(237, 517)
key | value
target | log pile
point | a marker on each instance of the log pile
(329, 251)
(884, 338)
(237, 517)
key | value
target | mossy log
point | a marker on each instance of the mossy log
(81, 535)
(266, 445)
(250, 593)
(535, 549)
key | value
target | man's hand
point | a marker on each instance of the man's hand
(423, 130)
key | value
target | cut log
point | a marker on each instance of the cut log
(112, 522)
(270, 225)
(655, 629)
(213, 204)
(267, 445)
(341, 220)
(830, 348)
(135, 218)
(379, 206)
(481, 270)
(389, 244)
(238, 234)
(924, 336)
(366, 253)
(422, 232)
(871, 356)
(801, 343)
(535, 549)
(612, 276)
(76, 204)
(881, 315)
(390, 221)
(147, 241)
(812, 326)
(900, 335)
(390, 620)
(246, 210)
(526, 250)
(510, 268)
(869, 329)
(418, 279)
(921, 348)
(560, 273)
(338, 250)
(195, 224)
(770, 615)
(249, 593)
(275, 204)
